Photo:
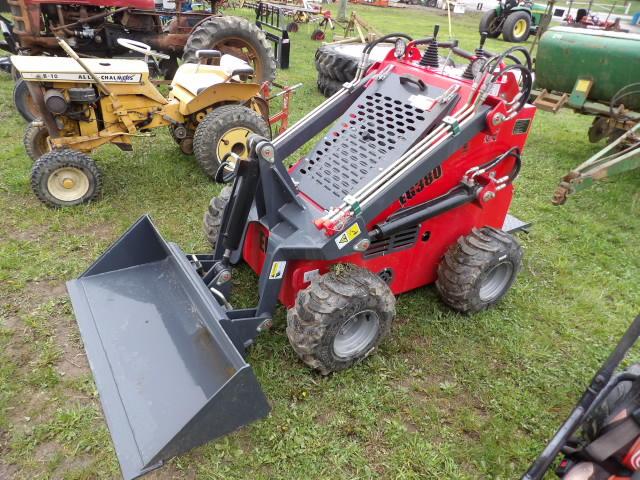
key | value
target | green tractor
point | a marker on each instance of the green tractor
(513, 19)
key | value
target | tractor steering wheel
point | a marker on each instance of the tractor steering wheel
(142, 48)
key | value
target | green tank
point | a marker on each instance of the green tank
(610, 59)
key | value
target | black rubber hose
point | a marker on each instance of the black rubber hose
(625, 91)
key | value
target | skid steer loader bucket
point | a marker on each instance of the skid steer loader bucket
(168, 375)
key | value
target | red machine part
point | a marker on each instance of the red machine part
(141, 4)
(437, 234)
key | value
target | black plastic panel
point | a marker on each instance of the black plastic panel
(382, 124)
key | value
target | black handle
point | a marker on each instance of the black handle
(462, 53)
(436, 29)
(415, 80)
(483, 38)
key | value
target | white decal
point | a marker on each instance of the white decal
(421, 101)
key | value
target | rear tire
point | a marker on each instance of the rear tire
(516, 27)
(64, 178)
(226, 128)
(490, 24)
(340, 318)
(213, 215)
(23, 101)
(327, 86)
(235, 36)
(478, 270)
(36, 140)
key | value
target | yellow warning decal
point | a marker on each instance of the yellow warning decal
(583, 85)
(349, 234)
(277, 270)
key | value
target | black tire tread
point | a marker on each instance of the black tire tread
(327, 86)
(335, 65)
(464, 263)
(485, 21)
(58, 159)
(20, 95)
(213, 215)
(215, 124)
(30, 140)
(214, 30)
(328, 296)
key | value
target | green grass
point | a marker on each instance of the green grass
(447, 396)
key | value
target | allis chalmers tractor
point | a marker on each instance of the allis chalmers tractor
(92, 28)
(85, 103)
(410, 185)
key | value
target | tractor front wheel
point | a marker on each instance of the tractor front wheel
(516, 27)
(213, 215)
(478, 270)
(340, 318)
(23, 102)
(226, 130)
(64, 178)
(491, 24)
(36, 140)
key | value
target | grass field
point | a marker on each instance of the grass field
(447, 396)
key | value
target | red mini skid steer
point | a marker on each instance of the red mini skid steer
(411, 185)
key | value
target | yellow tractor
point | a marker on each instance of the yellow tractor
(212, 108)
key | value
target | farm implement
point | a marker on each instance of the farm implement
(411, 185)
(593, 73)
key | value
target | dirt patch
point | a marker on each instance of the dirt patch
(8, 471)
(39, 291)
(100, 230)
(46, 451)
(33, 234)
(73, 362)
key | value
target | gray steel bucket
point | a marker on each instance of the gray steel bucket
(168, 375)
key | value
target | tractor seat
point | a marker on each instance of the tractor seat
(109, 70)
(195, 78)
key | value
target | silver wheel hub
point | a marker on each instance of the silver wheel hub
(495, 281)
(356, 334)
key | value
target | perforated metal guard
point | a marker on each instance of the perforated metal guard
(400, 241)
(377, 129)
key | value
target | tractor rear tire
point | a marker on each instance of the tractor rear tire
(478, 270)
(210, 142)
(328, 86)
(235, 36)
(23, 101)
(340, 318)
(64, 178)
(213, 215)
(489, 23)
(517, 27)
(339, 64)
(36, 140)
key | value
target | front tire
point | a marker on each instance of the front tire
(234, 36)
(490, 23)
(226, 129)
(36, 140)
(64, 178)
(23, 102)
(213, 215)
(516, 27)
(478, 270)
(340, 318)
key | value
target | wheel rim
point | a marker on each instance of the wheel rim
(243, 50)
(68, 184)
(495, 281)
(233, 140)
(356, 334)
(520, 28)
